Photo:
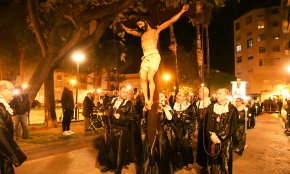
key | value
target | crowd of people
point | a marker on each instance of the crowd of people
(218, 125)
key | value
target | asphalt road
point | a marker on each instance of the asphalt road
(268, 152)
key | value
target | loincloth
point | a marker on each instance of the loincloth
(150, 62)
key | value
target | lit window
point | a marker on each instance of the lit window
(262, 49)
(276, 36)
(239, 48)
(276, 48)
(261, 37)
(249, 43)
(261, 25)
(239, 59)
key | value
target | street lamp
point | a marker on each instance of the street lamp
(77, 57)
(73, 82)
(24, 86)
(129, 87)
(166, 77)
(288, 68)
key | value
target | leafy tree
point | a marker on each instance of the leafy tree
(64, 26)
(60, 28)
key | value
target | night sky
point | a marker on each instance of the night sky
(221, 40)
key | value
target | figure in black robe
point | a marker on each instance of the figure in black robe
(158, 159)
(183, 127)
(10, 153)
(239, 140)
(113, 147)
(202, 141)
(222, 121)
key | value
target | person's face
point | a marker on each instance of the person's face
(180, 97)
(123, 93)
(162, 97)
(143, 26)
(130, 95)
(221, 95)
(238, 102)
(7, 93)
(203, 93)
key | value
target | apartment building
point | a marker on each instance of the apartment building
(260, 42)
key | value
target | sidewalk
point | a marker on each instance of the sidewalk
(41, 137)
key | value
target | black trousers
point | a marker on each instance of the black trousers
(67, 114)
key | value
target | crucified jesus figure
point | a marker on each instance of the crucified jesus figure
(151, 57)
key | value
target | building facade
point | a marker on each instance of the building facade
(260, 42)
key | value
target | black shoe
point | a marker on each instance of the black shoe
(240, 153)
(104, 170)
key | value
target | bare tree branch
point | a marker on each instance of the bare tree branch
(110, 9)
(68, 46)
(36, 26)
(87, 43)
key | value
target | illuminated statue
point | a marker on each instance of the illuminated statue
(151, 57)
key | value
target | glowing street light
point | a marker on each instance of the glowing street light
(166, 77)
(24, 86)
(99, 90)
(16, 92)
(73, 82)
(288, 68)
(77, 57)
(129, 87)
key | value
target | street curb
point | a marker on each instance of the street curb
(44, 150)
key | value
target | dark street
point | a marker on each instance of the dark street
(268, 152)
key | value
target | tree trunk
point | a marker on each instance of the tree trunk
(21, 66)
(207, 56)
(199, 54)
(49, 102)
(173, 48)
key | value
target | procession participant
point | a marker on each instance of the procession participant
(220, 128)
(239, 140)
(202, 142)
(113, 150)
(10, 153)
(183, 125)
(159, 157)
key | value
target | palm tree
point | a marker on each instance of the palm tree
(201, 20)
